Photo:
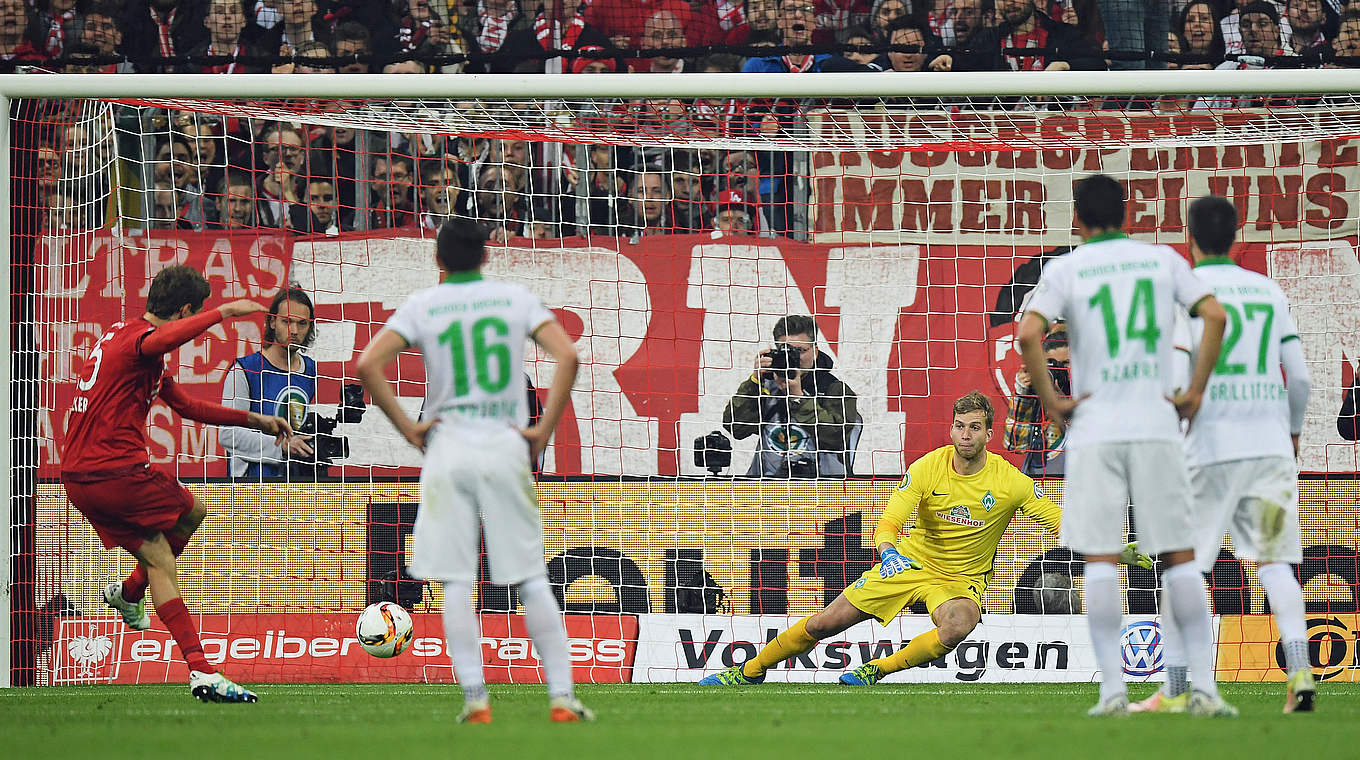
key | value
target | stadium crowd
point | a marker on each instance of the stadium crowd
(194, 172)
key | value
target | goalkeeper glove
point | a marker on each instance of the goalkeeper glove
(1131, 556)
(892, 562)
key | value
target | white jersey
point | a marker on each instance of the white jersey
(1245, 412)
(1118, 297)
(471, 334)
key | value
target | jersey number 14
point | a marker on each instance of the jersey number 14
(1141, 324)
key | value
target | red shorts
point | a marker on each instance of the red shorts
(126, 507)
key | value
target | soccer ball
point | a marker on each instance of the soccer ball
(384, 629)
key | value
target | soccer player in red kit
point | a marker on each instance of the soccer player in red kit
(107, 471)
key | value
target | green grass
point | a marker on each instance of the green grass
(414, 722)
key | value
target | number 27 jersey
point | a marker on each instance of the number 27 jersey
(471, 334)
(1119, 299)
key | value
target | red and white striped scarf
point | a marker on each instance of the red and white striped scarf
(800, 68)
(731, 14)
(543, 30)
(167, 41)
(222, 68)
(56, 32)
(494, 28)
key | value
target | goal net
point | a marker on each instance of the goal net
(675, 232)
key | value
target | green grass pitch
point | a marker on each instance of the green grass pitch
(413, 722)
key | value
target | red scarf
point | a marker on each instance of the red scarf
(802, 68)
(222, 68)
(543, 30)
(56, 33)
(1035, 39)
(494, 28)
(730, 14)
(163, 29)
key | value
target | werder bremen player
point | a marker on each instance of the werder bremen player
(964, 497)
(478, 447)
(1242, 447)
(1119, 299)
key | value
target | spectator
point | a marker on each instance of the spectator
(970, 16)
(236, 203)
(1347, 42)
(687, 192)
(606, 188)
(649, 206)
(226, 24)
(1231, 26)
(541, 225)
(1134, 26)
(797, 20)
(884, 12)
(389, 197)
(623, 20)
(206, 151)
(1028, 430)
(859, 35)
(806, 418)
(485, 30)
(1022, 25)
(906, 32)
(17, 30)
(162, 29)
(740, 173)
(440, 194)
(420, 30)
(187, 180)
(284, 159)
(319, 216)
(761, 18)
(165, 209)
(498, 202)
(301, 23)
(1307, 21)
(571, 32)
(99, 28)
(1175, 46)
(1199, 25)
(591, 64)
(278, 378)
(1259, 25)
(662, 30)
(733, 214)
(353, 44)
(1348, 421)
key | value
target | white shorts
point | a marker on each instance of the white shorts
(474, 479)
(1255, 500)
(1104, 478)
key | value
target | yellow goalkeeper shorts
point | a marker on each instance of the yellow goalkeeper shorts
(885, 598)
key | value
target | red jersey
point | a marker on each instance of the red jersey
(124, 373)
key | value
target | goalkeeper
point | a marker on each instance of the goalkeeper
(964, 497)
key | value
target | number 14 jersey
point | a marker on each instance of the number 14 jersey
(471, 334)
(1119, 297)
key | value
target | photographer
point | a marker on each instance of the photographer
(1027, 429)
(805, 415)
(281, 380)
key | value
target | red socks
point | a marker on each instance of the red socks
(134, 588)
(176, 618)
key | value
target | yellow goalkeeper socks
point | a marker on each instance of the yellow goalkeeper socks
(924, 648)
(795, 641)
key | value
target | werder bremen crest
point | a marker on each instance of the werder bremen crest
(988, 501)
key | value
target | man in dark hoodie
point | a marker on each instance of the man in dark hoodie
(805, 416)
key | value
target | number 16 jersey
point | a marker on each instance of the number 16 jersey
(471, 334)
(1119, 297)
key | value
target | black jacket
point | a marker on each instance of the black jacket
(983, 51)
(141, 34)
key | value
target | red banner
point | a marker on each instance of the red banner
(667, 328)
(306, 648)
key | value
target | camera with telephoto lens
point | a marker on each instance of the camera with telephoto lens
(326, 445)
(787, 359)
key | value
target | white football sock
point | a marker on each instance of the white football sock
(1104, 612)
(1286, 601)
(1173, 654)
(463, 635)
(1185, 591)
(544, 621)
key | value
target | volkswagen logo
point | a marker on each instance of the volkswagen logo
(1141, 645)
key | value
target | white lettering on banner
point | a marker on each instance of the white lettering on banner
(607, 292)
(1003, 648)
(1285, 190)
(743, 290)
(1321, 281)
(194, 354)
(871, 286)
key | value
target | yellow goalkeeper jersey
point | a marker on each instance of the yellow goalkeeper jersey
(960, 518)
